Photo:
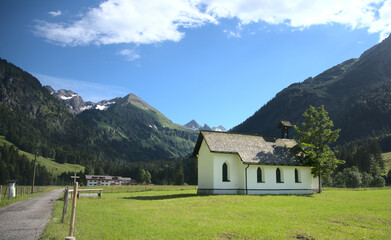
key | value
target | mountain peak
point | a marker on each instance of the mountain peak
(206, 127)
(75, 103)
(135, 100)
(193, 125)
(219, 129)
(384, 46)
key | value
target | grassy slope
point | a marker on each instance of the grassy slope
(181, 214)
(49, 163)
(387, 161)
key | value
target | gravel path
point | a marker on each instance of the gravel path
(27, 219)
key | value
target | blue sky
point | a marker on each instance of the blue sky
(214, 61)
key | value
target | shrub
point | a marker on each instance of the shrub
(366, 179)
(339, 180)
(352, 177)
(388, 179)
(327, 181)
(378, 181)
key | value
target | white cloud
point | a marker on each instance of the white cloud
(383, 24)
(124, 21)
(130, 54)
(154, 21)
(89, 91)
(55, 14)
(305, 13)
(233, 34)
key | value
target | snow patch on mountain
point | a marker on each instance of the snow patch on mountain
(68, 97)
(75, 103)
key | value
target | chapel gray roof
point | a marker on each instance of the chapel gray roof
(252, 149)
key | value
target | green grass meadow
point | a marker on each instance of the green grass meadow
(179, 213)
(49, 163)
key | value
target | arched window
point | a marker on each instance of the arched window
(259, 175)
(278, 175)
(297, 179)
(225, 172)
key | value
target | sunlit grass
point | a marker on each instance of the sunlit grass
(181, 214)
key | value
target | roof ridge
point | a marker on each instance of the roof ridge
(245, 134)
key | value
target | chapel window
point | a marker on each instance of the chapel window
(259, 175)
(297, 177)
(225, 172)
(278, 176)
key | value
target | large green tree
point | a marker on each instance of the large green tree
(314, 137)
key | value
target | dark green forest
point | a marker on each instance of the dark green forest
(363, 167)
(16, 166)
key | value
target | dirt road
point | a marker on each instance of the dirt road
(27, 219)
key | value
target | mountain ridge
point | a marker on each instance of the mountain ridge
(75, 103)
(127, 131)
(354, 92)
(193, 125)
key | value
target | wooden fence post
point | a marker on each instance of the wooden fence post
(5, 192)
(73, 210)
(16, 192)
(1, 188)
(65, 208)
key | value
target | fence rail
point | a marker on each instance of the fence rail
(89, 194)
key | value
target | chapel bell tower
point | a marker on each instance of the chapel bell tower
(284, 126)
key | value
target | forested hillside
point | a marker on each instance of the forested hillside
(102, 141)
(356, 93)
(135, 131)
(32, 119)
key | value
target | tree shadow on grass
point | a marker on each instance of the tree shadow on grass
(163, 197)
(188, 195)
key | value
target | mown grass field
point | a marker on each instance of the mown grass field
(49, 163)
(178, 213)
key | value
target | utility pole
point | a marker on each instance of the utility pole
(35, 164)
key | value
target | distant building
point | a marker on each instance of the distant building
(230, 163)
(99, 180)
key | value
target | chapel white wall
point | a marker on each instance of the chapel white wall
(205, 167)
(287, 177)
(235, 172)
(210, 176)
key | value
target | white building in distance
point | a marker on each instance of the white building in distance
(99, 180)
